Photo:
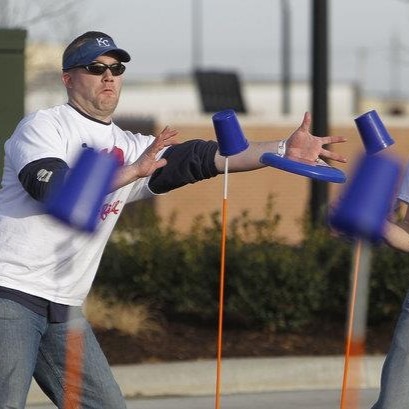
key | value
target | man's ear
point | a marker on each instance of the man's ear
(66, 79)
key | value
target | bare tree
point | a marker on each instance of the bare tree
(48, 24)
(38, 16)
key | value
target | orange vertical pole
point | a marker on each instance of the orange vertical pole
(355, 338)
(73, 367)
(221, 290)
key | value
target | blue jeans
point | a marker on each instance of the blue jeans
(30, 346)
(394, 393)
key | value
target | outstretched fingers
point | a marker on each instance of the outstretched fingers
(325, 153)
(148, 162)
(306, 122)
(167, 136)
(332, 139)
(332, 155)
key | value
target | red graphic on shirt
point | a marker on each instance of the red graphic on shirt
(118, 153)
(109, 208)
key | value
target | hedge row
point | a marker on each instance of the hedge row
(268, 283)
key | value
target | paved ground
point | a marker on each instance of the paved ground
(267, 400)
(262, 383)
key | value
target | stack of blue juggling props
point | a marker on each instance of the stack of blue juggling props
(361, 213)
(366, 202)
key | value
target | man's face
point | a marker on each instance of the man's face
(96, 95)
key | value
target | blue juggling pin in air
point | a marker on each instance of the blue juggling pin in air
(77, 200)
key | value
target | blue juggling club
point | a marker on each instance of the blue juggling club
(366, 202)
(77, 200)
(361, 213)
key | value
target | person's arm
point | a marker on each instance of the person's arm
(397, 231)
(301, 145)
(196, 160)
(187, 162)
(38, 177)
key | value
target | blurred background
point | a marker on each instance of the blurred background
(270, 60)
(168, 40)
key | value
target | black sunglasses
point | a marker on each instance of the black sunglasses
(98, 68)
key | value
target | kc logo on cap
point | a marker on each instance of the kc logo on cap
(103, 42)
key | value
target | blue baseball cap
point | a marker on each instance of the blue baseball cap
(90, 49)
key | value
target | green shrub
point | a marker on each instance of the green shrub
(389, 283)
(267, 282)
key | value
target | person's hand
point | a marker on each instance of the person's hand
(303, 146)
(147, 163)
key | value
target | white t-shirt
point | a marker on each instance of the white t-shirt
(38, 254)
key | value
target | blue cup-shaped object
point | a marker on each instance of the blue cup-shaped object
(366, 202)
(374, 135)
(77, 201)
(229, 135)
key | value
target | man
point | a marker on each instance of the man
(394, 393)
(47, 268)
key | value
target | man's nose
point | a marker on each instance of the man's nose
(107, 75)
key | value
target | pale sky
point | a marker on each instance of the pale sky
(245, 35)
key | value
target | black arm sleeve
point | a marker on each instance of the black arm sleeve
(37, 177)
(188, 162)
